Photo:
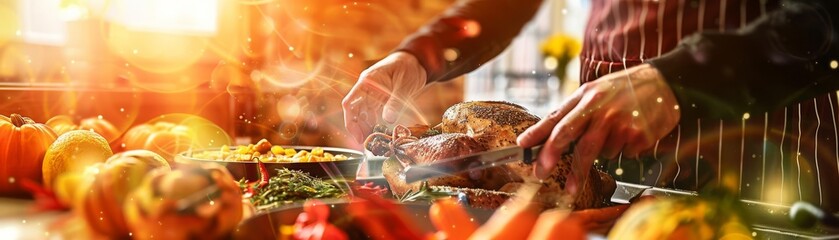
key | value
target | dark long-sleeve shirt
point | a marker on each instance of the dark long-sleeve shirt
(774, 61)
(755, 81)
(790, 48)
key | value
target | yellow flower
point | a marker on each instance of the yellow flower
(561, 46)
(558, 50)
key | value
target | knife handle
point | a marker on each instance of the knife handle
(530, 154)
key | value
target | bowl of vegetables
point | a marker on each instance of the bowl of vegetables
(242, 161)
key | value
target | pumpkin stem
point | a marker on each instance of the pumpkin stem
(18, 120)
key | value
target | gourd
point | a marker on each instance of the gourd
(23, 144)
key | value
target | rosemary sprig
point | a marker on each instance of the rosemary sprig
(424, 193)
(289, 186)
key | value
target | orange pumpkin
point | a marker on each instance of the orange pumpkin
(22, 146)
(101, 204)
(190, 202)
(164, 138)
(63, 123)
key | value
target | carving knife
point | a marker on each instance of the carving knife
(471, 162)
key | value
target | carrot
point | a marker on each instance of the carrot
(598, 215)
(599, 219)
(450, 218)
(515, 219)
(556, 224)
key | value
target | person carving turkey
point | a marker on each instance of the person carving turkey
(682, 92)
(473, 127)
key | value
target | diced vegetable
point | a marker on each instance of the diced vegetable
(277, 150)
(267, 152)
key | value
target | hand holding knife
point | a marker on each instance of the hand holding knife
(475, 161)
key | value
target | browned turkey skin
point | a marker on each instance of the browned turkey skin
(471, 127)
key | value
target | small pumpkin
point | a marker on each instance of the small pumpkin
(102, 204)
(171, 134)
(22, 146)
(164, 138)
(191, 202)
(63, 123)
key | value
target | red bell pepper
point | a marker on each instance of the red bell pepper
(369, 190)
(313, 223)
(383, 219)
(263, 179)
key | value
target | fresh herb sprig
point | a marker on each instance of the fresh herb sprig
(424, 193)
(291, 185)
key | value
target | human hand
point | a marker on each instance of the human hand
(381, 92)
(623, 112)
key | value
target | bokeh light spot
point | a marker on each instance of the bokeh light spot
(471, 28)
(288, 130)
(450, 54)
(550, 63)
(288, 107)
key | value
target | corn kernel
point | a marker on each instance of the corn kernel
(265, 153)
(318, 151)
(277, 150)
(241, 150)
(301, 153)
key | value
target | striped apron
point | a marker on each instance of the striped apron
(779, 157)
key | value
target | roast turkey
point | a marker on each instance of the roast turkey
(471, 127)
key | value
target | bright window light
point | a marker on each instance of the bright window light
(197, 17)
(43, 22)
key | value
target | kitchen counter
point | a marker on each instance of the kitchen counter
(18, 222)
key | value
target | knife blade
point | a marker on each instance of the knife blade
(475, 161)
(626, 192)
